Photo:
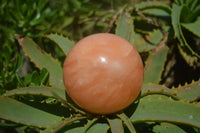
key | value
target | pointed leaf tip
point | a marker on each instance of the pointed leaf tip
(63, 42)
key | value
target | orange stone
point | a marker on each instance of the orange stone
(103, 73)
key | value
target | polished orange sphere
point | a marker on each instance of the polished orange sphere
(103, 73)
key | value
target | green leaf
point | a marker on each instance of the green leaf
(76, 129)
(62, 125)
(125, 27)
(35, 79)
(98, 128)
(43, 76)
(89, 124)
(18, 11)
(154, 5)
(162, 108)
(39, 33)
(64, 43)
(155, 37)
(194, 4)
(154, 66)
(141, 44)
(41, 5)
(43, 91)
(76, 4)
(191, 60)
(18, 112)
(156, 12)
(19, 63)
(66, 22)
(8, 30)
(8, 125)
(127, 122)
(46, 105)
(37, 19)
(150, 88)
(189, 91)
(42, 60)
(178, 2)
(193, 27)
(167, 128)
(186, 15)
(176, 14)
(145, 44)
(116, 125)
(189, 3)
(195, 13)
(183, 2)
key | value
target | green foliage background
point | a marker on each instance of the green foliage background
(165, 32)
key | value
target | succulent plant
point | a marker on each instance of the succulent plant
(158, 108)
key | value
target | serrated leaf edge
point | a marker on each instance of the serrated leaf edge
(47, 36)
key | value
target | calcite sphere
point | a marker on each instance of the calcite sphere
(103, 73)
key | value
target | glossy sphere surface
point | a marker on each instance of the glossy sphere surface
(103, 73)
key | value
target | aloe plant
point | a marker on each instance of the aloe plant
(157, 109)
(183, 18)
